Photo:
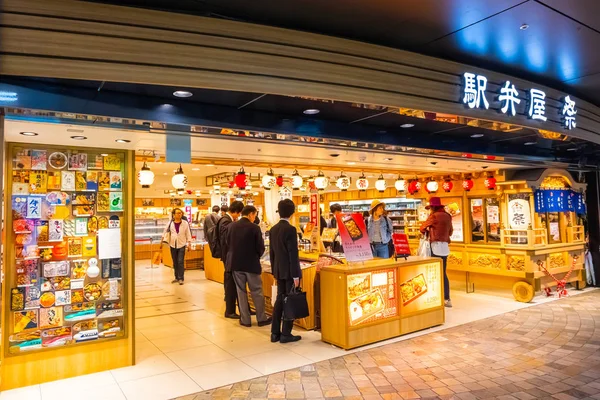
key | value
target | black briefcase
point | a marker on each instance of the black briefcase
(295, 305)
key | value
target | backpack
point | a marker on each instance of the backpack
(210, 231)
(214, 240)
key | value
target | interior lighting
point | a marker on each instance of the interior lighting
(490, 182)
(477, 135)
(432, 186)
(297, 180)
(28, 133)
(447, 185)
(145, 176)
(468, 184)
(179, 180)
(321, 181)
(405, 126)
(400, 184)
(362, 183)
(343, 182)
(182, 93)
(269, 181)
(78, 137)
(311, 111)
(123, 141)
(240, 179)
(529, 143)
(524, 27)
(380, 184)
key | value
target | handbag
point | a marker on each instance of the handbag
(424, 247)
(295, 305)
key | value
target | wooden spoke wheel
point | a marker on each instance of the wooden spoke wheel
(523, 292)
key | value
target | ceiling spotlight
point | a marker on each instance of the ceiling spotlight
(407, 126)
(351, 163)
(477, 135)
(388, 159)
(524, 27)
(78, 137)
(530, 143)
(123, 141)
(28, 133)
(311, 111)
(182, 93)
(195, 169)
(210, 165)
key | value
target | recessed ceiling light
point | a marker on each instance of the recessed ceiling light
(370, 176)
(351, 163)
(530, 143)
(164, 173)
(210, 165)
(388, 159)
(28, 133)
(524, 27)
(123, 141)
(311, 111)
(78, 137)
(182, 93)
(572, 149)
(195, 169)
(407, 126)
(104, 154)
(477, 135)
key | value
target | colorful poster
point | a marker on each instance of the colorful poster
(55, 230)
(67, 181)
(95, 162)
(62, 297)
(420, 287)
(103, 181)
(51, 317)
(78, 162)
(39, 160)
(89, 246)
(23, 160)
(53, 181)
(91, 179)
(355, 238)
(81, 226)
(493, 214)
(38, 182)
(103, 202)
(80, 181)
(115, 181)
(19, 207)
(24, 320)
(112, 163)
(372, 296)
(454, 209)
(34, 207)
(116, 201)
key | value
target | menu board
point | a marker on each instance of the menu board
(355, 238)
(372, 296)
(59, 294)
(454, 209)
(420, 287)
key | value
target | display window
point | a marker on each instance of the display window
(64, 248)
(453, 206)
(552, 222)
(485, 220)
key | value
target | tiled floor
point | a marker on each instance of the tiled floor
(184, 345)
(551, 351)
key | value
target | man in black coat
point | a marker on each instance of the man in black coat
(233, 213)
(246, 247)
(285, 266)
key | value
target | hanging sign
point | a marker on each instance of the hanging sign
(519, 214)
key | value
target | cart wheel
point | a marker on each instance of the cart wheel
(580, 285)
(523, 292)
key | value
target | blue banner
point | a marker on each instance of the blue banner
(559, 200)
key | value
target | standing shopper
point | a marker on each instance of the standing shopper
(178, 236)
(246, 247)
(439, 228)
(380, 230)
(233, 213)
(210, 222)
(285, 266)
(336, 210)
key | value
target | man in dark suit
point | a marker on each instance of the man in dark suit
(246, 247)
(285, 266)
(233, 213)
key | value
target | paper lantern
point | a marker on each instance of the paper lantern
(268, 180)
(279, 181)
(400, 184)
(343, 182)
(432, 187)
(414, 186)
(362, 183)
(145, 176)
(490, 182)
(447, 185)
(231, 184)
(297, 180)
(380, 184)
(240, 179)
(467, 184)
(321, 181)
(179, 180)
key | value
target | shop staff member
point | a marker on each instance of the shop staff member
(285, 265)
(380, 230)
(210, 222)
(178, 235)
(246, 247)
(439, 227)
(233, 213)
(336, 210)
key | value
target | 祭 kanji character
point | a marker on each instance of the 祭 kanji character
(537, 104)
(568, 113)
(509, 96)
(474, 91)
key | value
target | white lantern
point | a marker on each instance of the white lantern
(432, 186)
(145, 176)
(321, 181)
(179, 180)
(198, 193)
(400, 184)
(362, 183)
(269, 180)
(343, 182)
(381, 185)
(297, 180)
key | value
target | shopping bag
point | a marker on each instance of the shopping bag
(295, 305)
(424, 247)
(156, 258)
(273, 295)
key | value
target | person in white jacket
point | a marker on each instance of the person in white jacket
(178, 236)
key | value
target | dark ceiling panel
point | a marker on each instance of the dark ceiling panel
(585, 11)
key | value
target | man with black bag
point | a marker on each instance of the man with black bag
(285, 265)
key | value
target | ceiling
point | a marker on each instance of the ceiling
(556, 49)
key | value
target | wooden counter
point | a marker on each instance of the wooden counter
(214, 269)
(194, 259)
(363, 303)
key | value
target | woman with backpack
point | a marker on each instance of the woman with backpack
(380, 229)
(178, 236)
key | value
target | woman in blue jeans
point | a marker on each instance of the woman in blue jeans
(380, 229)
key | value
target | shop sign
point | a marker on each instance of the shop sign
(355, 238)
(519, 214)
(314, 209)
(188, 213)
(285, 193)
(474, 96)
(401, 244)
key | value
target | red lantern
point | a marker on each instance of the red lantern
(240, 179)
(414, 186)
(467, 184)
(490, 182)
(231, 184)
(279, 181)
(311, 185)
(447, 185)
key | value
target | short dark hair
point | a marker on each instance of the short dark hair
(225, 208)
(335, 207)
(247, 210)
(216, 209)
(286, 208)
(236, 207)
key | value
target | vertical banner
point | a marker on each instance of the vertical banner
(314, 208)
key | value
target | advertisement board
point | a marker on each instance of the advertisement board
(420, 287)
(372, 296)
(355, 238)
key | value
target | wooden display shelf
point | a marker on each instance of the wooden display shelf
(412, 314)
